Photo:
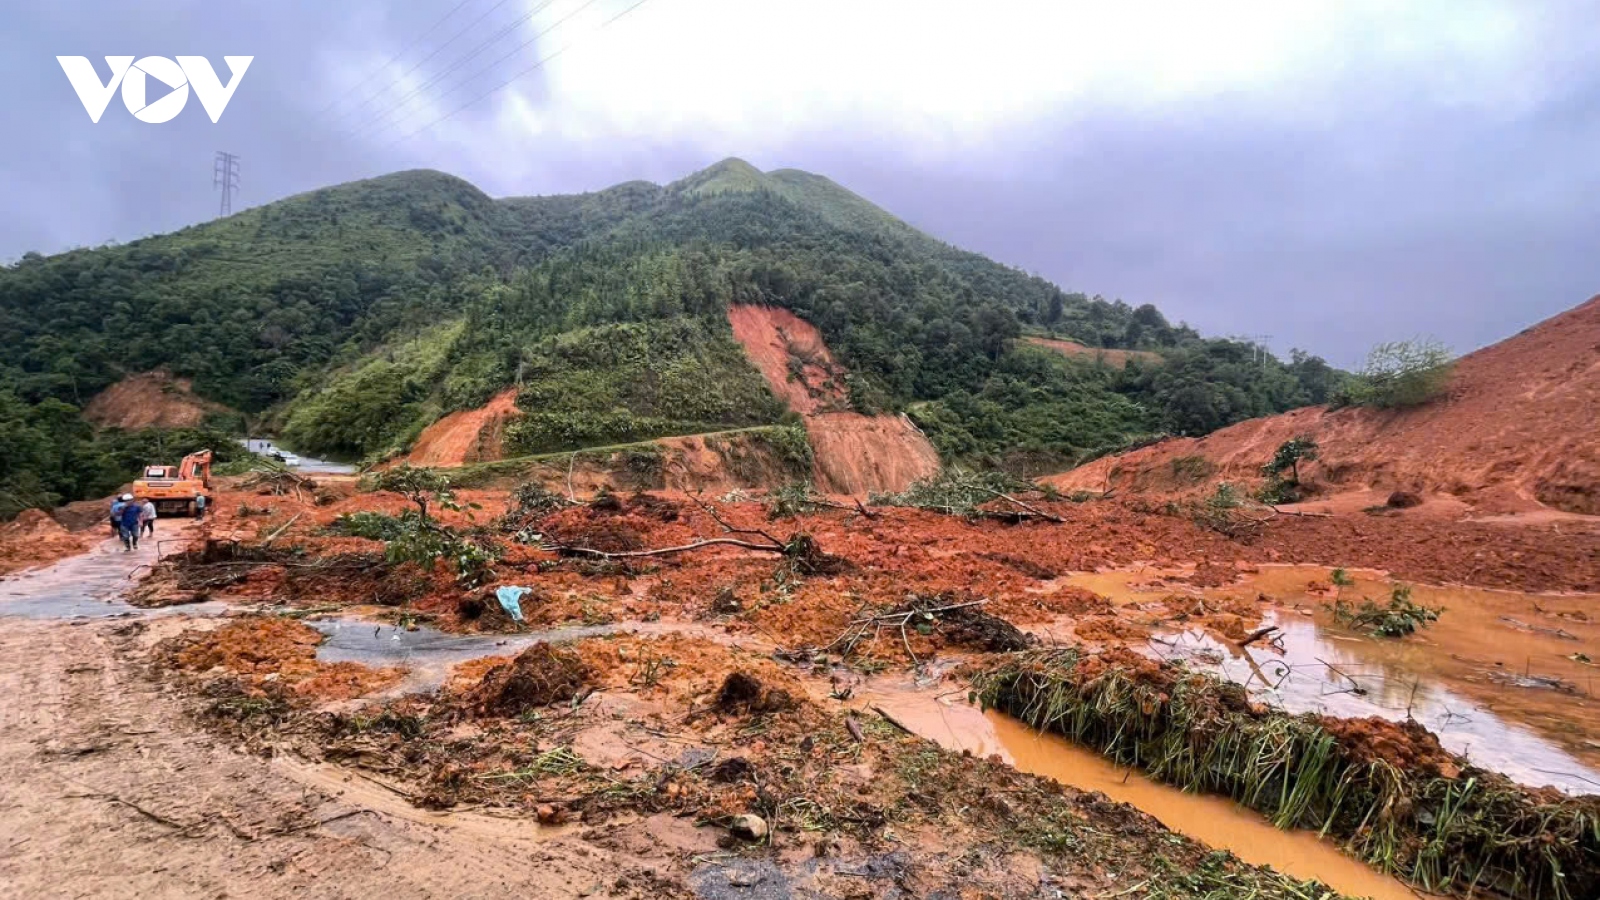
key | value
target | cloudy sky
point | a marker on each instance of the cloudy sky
(1328, 172)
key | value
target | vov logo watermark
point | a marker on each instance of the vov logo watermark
(188, 71)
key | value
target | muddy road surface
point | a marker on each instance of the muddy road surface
(109, 790)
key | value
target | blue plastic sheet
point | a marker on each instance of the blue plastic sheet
(510, 598)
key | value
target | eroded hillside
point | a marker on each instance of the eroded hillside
(1516, 432)
(854, 453)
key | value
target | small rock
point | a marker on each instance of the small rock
(551, 815)
(744, 878)
(749, 827)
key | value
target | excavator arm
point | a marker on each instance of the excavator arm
(196, 465)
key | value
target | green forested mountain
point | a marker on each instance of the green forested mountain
(352, 316)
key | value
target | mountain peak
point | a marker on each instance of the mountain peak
(732, 175)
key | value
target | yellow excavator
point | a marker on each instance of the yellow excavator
(173, 488)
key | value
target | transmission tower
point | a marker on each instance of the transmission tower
(225, 176)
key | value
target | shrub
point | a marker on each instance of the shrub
(1290, 454)
(1399, 374)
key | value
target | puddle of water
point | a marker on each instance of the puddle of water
(1317, 672)
(1213, 821)
(947, 720)
(429, 654)
(1478, 677)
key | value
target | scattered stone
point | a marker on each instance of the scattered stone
(749, 827)
(1403, 500)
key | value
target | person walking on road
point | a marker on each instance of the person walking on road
(116, 513)
(199, 507)
(147, 517)
(129, 522)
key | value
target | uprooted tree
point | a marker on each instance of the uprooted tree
(416, 537)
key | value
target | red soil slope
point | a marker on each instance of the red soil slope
(1519, 430)
(467, 435)
(792, 357)
(1114, 358)
(151, 400)
(855, 454)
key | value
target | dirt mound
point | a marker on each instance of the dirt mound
(1116, 359)
(854, 453)
(33, 538)
(467, 435)
(151, 400)
(1517, 431)
(265, 650)
(742, 693)
(1406, 745)
(538, 676)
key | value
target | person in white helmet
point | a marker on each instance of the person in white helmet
(116, 513)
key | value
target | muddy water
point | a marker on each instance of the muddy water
(1213, 821)
(1495, 677)
(429, 654)
(948, 720)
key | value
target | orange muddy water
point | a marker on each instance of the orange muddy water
(1506, 679)
(1214, 821)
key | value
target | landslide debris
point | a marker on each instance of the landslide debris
(539, 676)
(269, 652)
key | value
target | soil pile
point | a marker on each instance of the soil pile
(537, 677)
(854, 453)
(275, 652)
(33, 538)
(1517, 431)
(1116, 359)
(151, 400)
(467, 435)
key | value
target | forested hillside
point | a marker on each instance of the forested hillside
(350, 317)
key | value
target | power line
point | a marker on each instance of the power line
(436, 51)
(389, 110)
(225, 175)
(502, 85)
(392, 60)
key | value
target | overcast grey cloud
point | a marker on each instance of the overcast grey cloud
(1330, 173)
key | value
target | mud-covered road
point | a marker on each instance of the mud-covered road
(108, 790)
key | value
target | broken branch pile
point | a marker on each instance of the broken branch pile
(1387, 790)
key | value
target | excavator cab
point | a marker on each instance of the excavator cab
(173, 488)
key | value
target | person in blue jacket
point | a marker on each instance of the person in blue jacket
(129, 521)
(116, 513)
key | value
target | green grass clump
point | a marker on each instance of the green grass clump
(1449, 828)
(1398, 618)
